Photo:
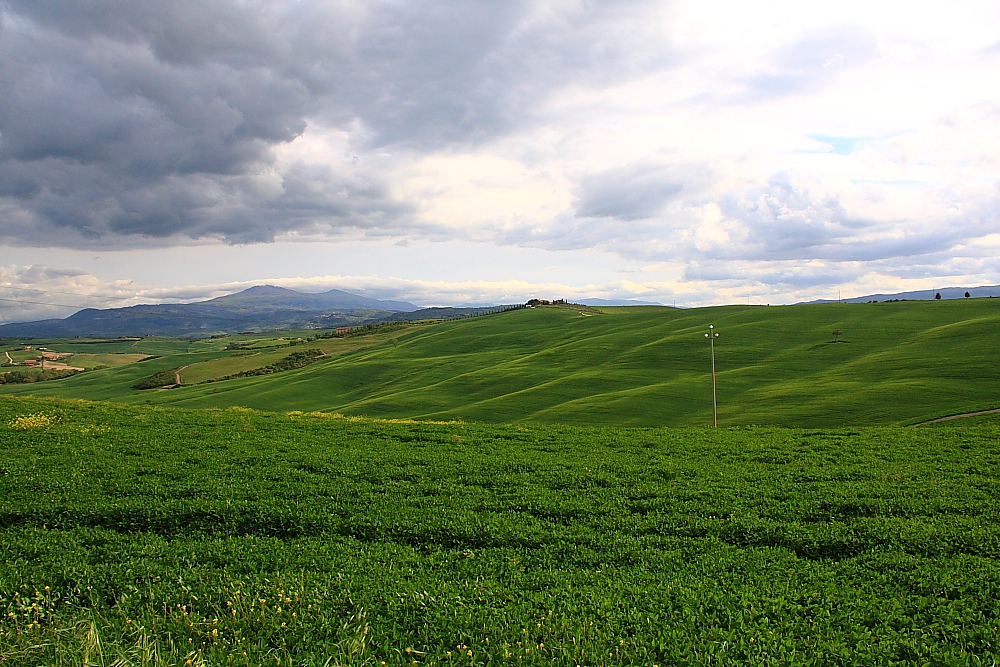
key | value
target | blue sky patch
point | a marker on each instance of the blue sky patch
(838, 145)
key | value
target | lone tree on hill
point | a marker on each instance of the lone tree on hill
(967, 295)
(938, 296)
(837, 333)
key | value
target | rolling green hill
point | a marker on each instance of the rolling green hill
(896, 363)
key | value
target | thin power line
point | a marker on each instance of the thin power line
(50, 291)
(40, 303)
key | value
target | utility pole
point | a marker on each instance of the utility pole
(711, 336)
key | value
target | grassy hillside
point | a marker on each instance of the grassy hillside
(145, 536)
(200, 360)
(896, 363)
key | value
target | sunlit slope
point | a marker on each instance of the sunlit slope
(896, 363)
(110, 384)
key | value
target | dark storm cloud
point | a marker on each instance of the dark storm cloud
(137, 119)
(124, 122)
(433, 72)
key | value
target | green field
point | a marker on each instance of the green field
(201, 361)
(151, 536)
(92, 361)
(530, 515)
(897, 363)
(261, 353)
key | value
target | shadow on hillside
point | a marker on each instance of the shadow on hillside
(825, 343)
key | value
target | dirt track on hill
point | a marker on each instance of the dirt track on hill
(59, 366)
(965, 414)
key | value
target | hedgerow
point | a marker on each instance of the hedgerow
(164, 378)
(291, 362)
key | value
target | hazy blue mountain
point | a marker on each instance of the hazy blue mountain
(260, 308)
(279, 297)
(924, 295)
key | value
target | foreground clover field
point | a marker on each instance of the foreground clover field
(152, 536)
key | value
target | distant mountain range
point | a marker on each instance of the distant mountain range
(269, 296)
(261, 308)
(923, 295)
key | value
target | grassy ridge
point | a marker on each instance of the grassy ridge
(897, 363)
(152, 536)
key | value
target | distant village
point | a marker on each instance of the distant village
(544, 302)
(39, 360)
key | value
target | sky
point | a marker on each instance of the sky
(452, 152)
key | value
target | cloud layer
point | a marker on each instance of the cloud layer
(132, 123)
(743, 145)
